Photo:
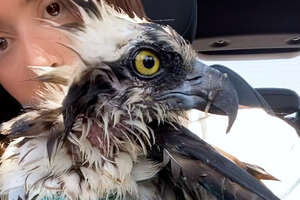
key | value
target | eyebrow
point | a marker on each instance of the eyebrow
(28, 1)
(6, 28)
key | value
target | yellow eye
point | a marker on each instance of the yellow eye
(147, 63)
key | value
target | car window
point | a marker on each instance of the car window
(278, 73)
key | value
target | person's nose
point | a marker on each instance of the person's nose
(38, 45)
(39, 53)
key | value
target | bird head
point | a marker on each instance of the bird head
(134, 72)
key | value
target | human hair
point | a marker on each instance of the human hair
(131, 7)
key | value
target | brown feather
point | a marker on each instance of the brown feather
(256, 171)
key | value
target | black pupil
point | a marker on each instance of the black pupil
(149, 62)
(3, 44)
(53, 9)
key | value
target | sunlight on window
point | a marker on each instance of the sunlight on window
(278, 73)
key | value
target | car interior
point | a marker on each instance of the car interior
(229, 30)
(239, 29)
(232, 29)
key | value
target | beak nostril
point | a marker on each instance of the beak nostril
(194, 78)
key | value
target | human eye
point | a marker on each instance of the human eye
(4, 45)
(61, 12)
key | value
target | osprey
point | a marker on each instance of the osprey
(112, 127)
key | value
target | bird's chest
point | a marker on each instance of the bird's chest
(27, 170)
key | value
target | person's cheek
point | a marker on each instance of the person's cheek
(18, 79)
(16, 75)
(35, 46)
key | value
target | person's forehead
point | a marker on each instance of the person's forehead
(29, 1)
(7, 5)
(10, 9)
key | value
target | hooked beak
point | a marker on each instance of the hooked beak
(205, 89)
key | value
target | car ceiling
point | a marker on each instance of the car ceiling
(232, 26)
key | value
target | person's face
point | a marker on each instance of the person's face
(26, 41)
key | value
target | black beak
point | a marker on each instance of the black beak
(205, 89)
(247, 95)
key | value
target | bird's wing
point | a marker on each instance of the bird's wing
(193, 164)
